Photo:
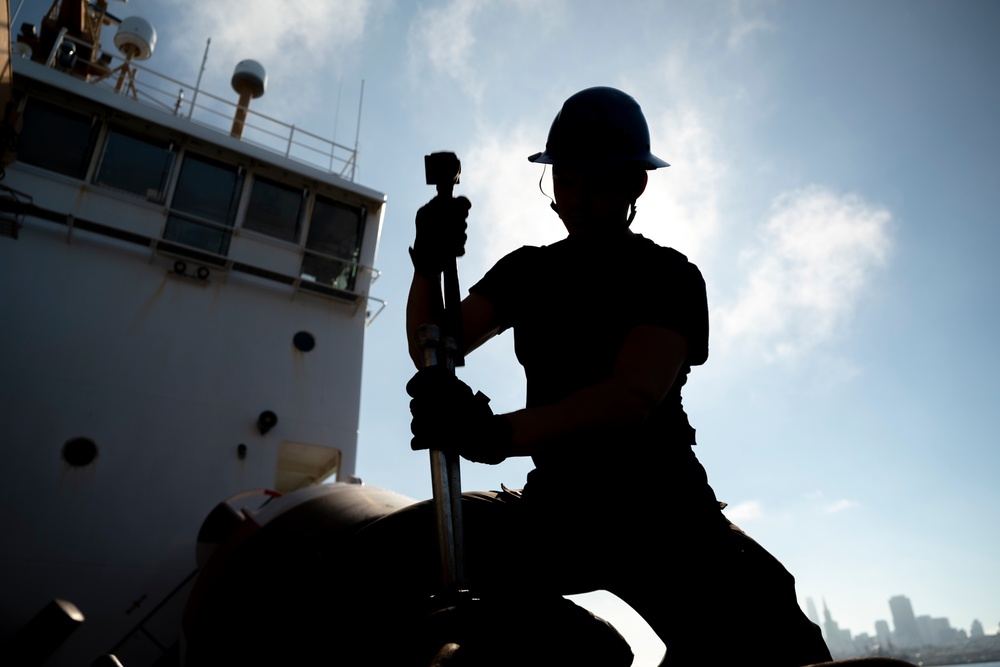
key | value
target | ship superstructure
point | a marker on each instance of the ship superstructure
(183, 320)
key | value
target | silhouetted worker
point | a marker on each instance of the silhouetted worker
(607, 325)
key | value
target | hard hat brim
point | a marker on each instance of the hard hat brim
(647, 161)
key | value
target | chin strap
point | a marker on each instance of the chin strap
(552, 202)
(631, 216)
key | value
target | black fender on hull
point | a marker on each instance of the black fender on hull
(272, 581)
(314, 577)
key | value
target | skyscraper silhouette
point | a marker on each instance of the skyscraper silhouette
(883, 634)
(811, 611)
(905, 630)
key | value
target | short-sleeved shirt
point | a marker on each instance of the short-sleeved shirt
(571, 305)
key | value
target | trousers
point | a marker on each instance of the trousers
(709, 591)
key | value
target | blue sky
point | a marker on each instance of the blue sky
(834, 174)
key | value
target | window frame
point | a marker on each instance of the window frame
(305, 199)
(170, 170)
(97, 123)
(356, 267)
(184, 216)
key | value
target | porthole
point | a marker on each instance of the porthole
(79, 452)
(304, 341)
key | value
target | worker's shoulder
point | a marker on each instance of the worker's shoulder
(526, 254)
(634, 249)
(662, 253)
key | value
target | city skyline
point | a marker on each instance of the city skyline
(908, 630)
(988, 625)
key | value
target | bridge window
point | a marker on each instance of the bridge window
(204, 205)
(136, 164)
(334, 244)
(274, 209)
(57, 139)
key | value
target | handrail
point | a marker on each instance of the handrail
(369, 316)
(267, 132)
(158, 244)
(179, 214)
(371, 271)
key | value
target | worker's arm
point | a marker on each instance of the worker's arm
(447, 414)
(646, 368)
(424, 306)
(440, 238)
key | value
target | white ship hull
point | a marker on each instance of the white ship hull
(138, 362)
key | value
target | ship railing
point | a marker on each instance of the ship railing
(341, 283)
(111, 71)
(347, 278)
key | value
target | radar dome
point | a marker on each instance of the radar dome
(135, 38)
(249, 77)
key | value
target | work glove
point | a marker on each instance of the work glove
(448, 416)
(441, 225)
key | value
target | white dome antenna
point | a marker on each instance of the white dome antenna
(250, 81)
(135, 38)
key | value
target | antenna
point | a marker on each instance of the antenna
(357, 131)
(135, 40)
(336, 122)
(250, 81)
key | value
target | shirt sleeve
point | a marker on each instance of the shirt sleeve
(672, 295)
(503, 284)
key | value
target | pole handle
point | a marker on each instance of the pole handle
(444, 171)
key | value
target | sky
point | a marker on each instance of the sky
(834, 175)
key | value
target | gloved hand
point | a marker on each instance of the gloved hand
(449, 417)
(441, 225)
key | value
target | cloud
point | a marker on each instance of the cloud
(753, 510)
(816, 254)
(839, 506)
(285, 33)
(749, 510)
(469, 41)
(743, 27)
(508, 209)
(442, 38)
(817, 500)
(681, 205)
(293, 40)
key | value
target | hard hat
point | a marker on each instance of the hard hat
(598, 128)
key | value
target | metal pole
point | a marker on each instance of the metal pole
(197, 85)
(336, 122)
(446, 481)
(443, 171)
(357, 130)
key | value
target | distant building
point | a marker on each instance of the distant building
(882, 634)
(926, 633)
(863, 644)
(936, 631)
(838, 641)
(811, 611)
(976, 631)
(942, 634)
(906, 632)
